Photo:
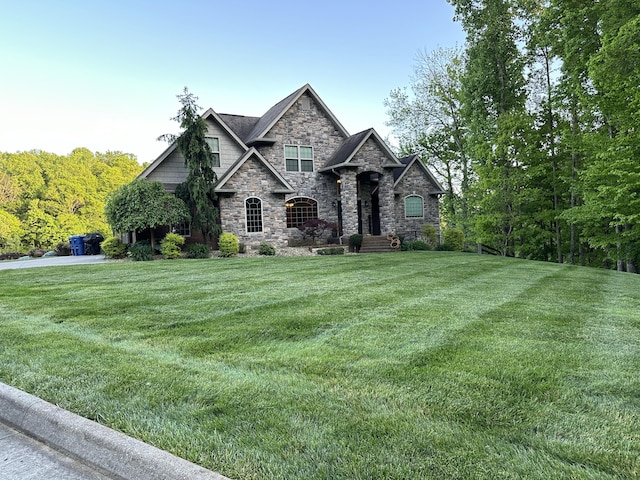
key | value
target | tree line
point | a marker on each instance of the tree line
(45, 198)
(533, 128)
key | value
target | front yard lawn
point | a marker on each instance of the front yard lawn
(394, 366)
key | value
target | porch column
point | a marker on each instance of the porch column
(387, 203)
(349, 199)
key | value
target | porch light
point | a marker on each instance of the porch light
(288, 204)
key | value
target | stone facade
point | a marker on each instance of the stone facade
(415, 182)
(353, 177)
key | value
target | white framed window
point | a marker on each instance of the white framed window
(183, 229)
(299, 210)
(214, 146)
(298, 158)
(253, 211)
(413, 206)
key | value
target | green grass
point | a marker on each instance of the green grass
(399, 366)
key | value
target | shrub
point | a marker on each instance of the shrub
(171, 246)
(228, 244)
(141, 251)
(355, 240)
(455, 238)
(418, 245)
(429, 235)
(197, 250)
(63, 249)
(267, 249)
(331, 251)
(445, 247)
(314, 228)
(113, 247)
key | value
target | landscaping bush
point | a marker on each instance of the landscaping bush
(418, 245)
(355, 241)
(141, 251)
(315, 228)
(455, 238)
(113, 247)
(197, 250)
(266, 249)
(331, 251)
(63, 249)
(429, 235)
(171, 246)
(228, 245)
(445, 247)
(10, 256)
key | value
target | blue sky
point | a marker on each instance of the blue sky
(105, 74)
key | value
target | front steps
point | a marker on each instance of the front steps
(376, 244)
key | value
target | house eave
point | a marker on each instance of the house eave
(340, 165)
(262, 141)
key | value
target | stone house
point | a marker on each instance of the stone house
(297, 162)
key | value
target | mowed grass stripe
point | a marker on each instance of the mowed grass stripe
(412, 365)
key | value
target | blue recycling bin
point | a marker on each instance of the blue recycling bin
(77, 244)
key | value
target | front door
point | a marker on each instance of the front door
(375, 214)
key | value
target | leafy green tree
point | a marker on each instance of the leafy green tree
(142, 205)
(429, 121)
(56, 196)
(611, 181)
(10, 232)
(493, 109)
(198, 190)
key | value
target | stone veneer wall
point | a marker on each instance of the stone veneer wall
(305, 123)
(416, 182)
(253, 179)
(372, 157)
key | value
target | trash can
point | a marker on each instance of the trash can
(77, 244)
(92, 243)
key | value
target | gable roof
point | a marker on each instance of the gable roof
(285, 187)
(275, 113)
(171, 148)
(408, 162)
(344, 155)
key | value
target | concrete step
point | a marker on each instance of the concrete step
(376, 244)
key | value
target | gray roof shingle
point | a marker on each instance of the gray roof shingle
(240, 124)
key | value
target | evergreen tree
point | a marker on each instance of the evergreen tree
(198, 190)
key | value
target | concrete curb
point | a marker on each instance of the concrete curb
(93, 444)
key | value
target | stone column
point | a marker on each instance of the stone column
(349, 198)
(386, 201)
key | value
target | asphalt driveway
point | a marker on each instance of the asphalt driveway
(51, 261)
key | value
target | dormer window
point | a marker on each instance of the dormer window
(298, 158)
(214, 146)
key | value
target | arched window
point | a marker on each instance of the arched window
(299, 210)
(253, 210)
(413, 206)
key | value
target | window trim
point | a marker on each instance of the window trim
(215, 153)
(180, 228)
(413, 195)
(290, 204)
(298, 158)
(247, 216)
